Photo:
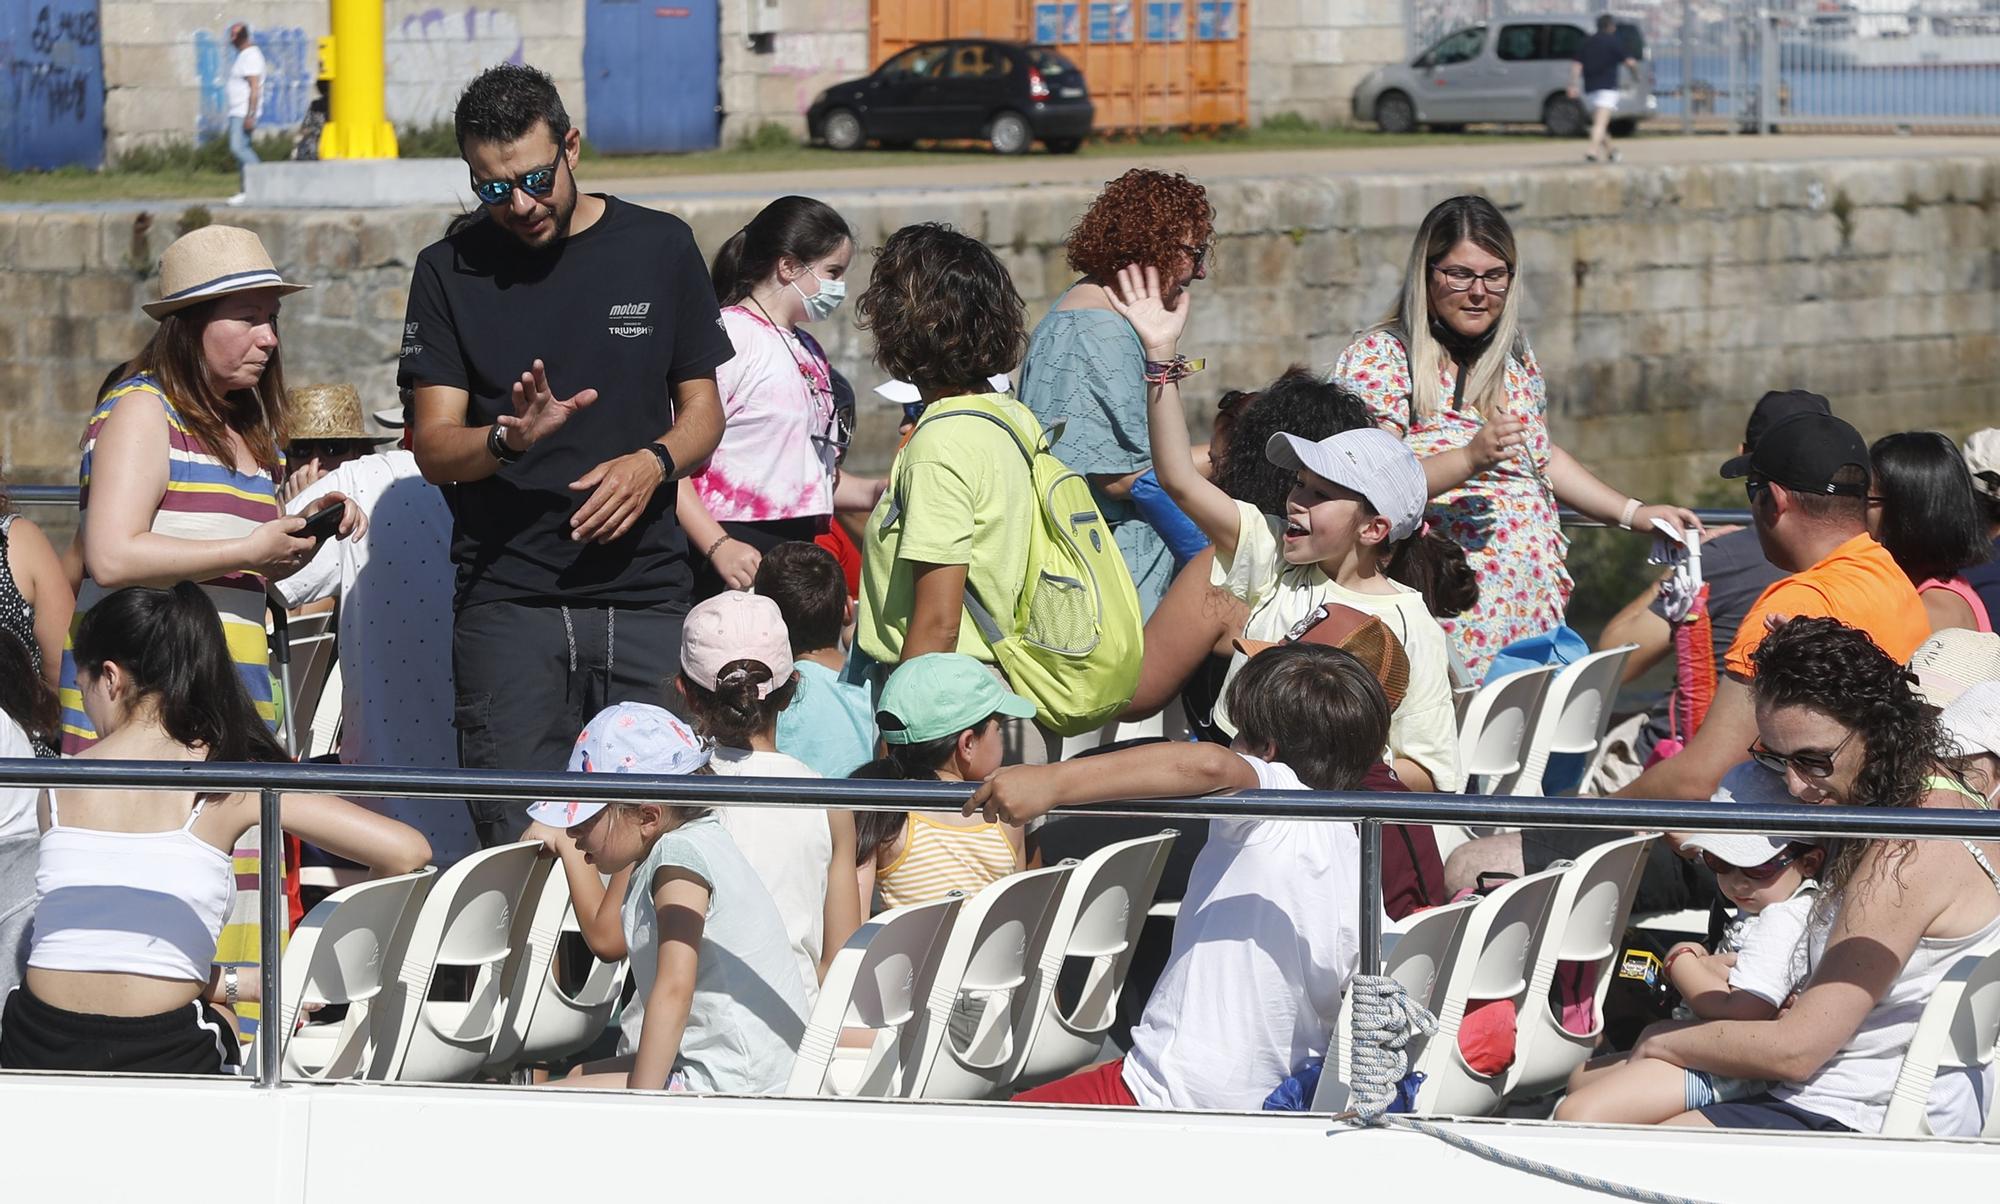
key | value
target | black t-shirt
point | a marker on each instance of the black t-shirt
(1601, 55)
(624, 307)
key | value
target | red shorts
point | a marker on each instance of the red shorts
(1103, 1085)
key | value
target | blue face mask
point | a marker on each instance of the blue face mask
(820, 305)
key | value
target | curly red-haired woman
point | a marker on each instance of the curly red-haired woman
(1085, 367)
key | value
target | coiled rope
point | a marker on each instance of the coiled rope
(1385, 1020)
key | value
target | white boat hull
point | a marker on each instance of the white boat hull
(98, 1138)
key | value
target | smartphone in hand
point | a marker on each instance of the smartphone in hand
(323, 523)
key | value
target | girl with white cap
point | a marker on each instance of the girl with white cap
(717, 1006)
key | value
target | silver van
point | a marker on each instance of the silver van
(1513, 70)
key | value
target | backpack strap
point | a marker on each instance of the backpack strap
(982, 618)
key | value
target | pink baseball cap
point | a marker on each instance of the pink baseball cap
(735, 626)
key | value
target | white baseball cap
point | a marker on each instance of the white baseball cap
(1750, 782)
(1370, 461)
(1972, 721)
(631, 737)
(1982, 458)
(1952, 661)
(1742, 849)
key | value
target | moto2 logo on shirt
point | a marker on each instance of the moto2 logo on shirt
(625, 319)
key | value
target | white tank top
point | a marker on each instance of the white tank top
(129, 902)
(1855, 1084)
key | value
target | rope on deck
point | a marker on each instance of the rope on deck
(1385, 1021)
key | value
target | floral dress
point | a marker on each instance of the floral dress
(1504, 518)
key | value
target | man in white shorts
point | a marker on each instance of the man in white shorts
(1594, 77)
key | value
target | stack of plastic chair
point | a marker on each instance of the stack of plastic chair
(345, 953)
(877, 983)
(1097, 919)
(1593, 904)
(1490, 964)
(1493, 738)
(977, 1016)
(546, 1021)
(467, 921)
(1957, 1033)
(1424, 950)
(1574, 715)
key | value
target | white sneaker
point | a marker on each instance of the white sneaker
(238, 199)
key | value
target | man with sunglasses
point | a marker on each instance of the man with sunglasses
(563, 351)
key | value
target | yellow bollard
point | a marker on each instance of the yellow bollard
(356, 128)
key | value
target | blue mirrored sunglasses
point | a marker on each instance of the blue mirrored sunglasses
(538, 183)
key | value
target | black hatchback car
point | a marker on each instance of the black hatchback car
(1001, 92)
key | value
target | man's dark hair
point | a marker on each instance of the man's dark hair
(805, 581)
(1320, 710)
(1842, 509)
(1606, 22)
(504, 103)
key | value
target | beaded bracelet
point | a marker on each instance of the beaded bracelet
(1178, 368)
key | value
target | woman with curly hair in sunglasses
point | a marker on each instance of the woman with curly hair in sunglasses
(1839, 719)
(1086, 369)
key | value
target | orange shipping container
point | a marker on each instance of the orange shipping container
(1151, 64)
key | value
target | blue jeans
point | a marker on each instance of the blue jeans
(239, 143)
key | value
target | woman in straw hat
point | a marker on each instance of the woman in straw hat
(181, 464)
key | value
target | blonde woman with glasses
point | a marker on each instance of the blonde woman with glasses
(1450, 372)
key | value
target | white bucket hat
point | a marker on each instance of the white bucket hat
(1972, 721)
(211, 262)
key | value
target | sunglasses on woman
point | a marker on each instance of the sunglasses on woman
(1809, 763)
(1756, 873)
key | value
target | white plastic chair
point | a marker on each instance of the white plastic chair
(1423, 950)
(1958, 1031)
(878, 981)
(344, 953)
(1574, 715)
(1099, 918)
(468, 921)
(545, 1021)
(976, 1017)
(1593, 904)
(1493, 738)
(1490, 963)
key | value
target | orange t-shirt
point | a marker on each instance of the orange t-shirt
(1858, 583)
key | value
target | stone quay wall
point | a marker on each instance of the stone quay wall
(1660, 301)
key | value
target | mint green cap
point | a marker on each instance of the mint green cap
(941, 694)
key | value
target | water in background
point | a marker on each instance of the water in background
(1858, 92)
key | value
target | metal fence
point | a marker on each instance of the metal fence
(1795, 64)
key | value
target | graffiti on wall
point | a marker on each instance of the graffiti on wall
(54, 93)
(429, 57)
(291, 63)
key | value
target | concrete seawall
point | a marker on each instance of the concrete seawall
(1660, 300)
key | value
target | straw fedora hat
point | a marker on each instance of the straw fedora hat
(211, 262)
(330, 412)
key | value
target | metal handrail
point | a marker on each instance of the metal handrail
(66, 495)
(271, 781)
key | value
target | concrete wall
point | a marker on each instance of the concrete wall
(165, 61)
(1661, 301)
(1307, 55)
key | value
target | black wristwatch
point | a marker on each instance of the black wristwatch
(665, 457)
(496, 444)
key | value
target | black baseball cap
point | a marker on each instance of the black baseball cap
(1776, 406)
(1804, 452)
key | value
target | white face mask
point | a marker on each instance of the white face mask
(820, 305)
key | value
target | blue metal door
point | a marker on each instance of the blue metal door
(651, 75)
(52, 101)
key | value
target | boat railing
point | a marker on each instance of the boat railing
(1370, 811)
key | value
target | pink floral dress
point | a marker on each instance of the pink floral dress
(1504, 518)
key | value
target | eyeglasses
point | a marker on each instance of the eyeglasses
(1199, 254)
(538, 183)
(1810, 764)
(1755, 873)
(1753, 486)
(1459, 280)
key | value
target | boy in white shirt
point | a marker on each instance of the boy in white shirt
(1268, 933)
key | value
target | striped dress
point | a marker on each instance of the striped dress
(937, 859)
(205, 499)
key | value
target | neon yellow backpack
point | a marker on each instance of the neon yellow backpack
(1075, 640)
